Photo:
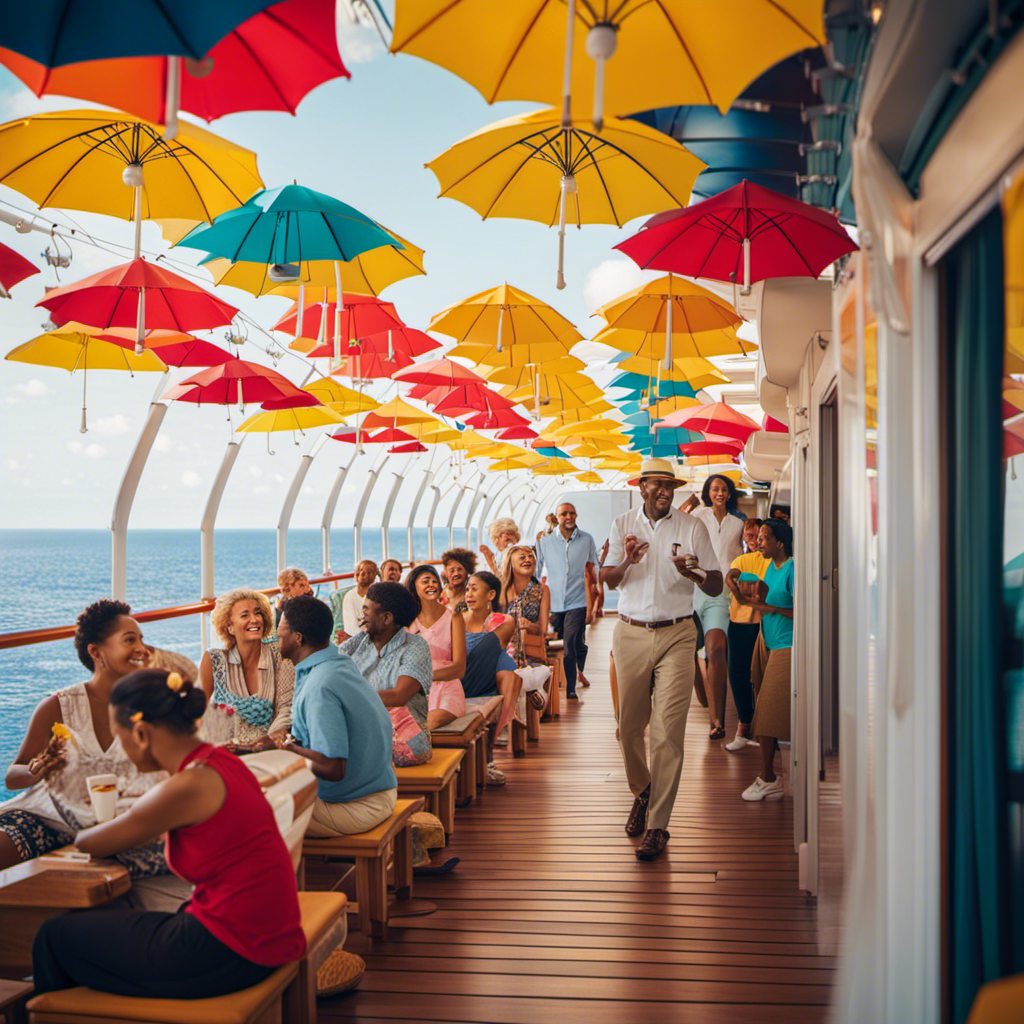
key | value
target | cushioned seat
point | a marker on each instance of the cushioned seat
(435, 781)
(465, 733)
(325, 924)
(999, 1002)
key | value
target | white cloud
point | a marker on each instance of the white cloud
(190, 478)
(255, 471)
(262, 489)
(278, 478)
(610, 278)
(112, 426)
(34, 388)
(163, 443)
(12, 464)
(90, 451)
(357, 44)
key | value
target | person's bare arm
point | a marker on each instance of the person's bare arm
(590, 581)
(405, 688)
(457, 669)
(41, 754)
(206, 674)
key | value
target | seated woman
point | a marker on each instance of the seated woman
(446, 634)
(458, 564)
(398, 666)
(483, 616)
(352, 603)
(69, 738)
(293, 583)
(243, 920)
(523, 596)
(339, 724)
(247, 683)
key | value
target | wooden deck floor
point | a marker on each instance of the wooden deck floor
(550, 919)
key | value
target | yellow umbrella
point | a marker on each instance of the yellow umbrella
(659, 410)
(330, 392)
(525, 376)
(553, 467)
(684, 345)
(83, 159)
(589, 427)
(698, 373)
(76, 347)
(535, 167)
(505, 317)
(512, 356)
(665, 53)
(589, 477)
(397, 413)
(368, 274)
(558, 396)
(292, 419)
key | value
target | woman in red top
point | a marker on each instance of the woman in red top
(243, 919)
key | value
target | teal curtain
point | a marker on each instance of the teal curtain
(980, 904)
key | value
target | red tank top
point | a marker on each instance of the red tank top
(245, 884)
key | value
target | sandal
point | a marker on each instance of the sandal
(538, 698)
(717, 732)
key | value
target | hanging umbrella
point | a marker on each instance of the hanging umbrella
(721, 446)
(773, 426)
(494, 418)
(372, 366)
(298, 420)
(470, 398)
(268, 62)
(535, 167)
(236, 382)
(745, 234)
(524, 460)
(683, 345)
(666, 52)
(172, 347)
(397, 413)
(337, 396)
(589, 477)
(74, 31)
(524, 376)
(75, 346)
(715, 418)
(14, 268)
(139, 294)
(369, 273)
(410, 447)
(686, 370)
(517, 434)
(362, 316)
(439, 372)
(521, 355)
(83, 159)
(553, 467)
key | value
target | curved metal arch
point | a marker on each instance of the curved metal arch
(288, 506)
(428, 475)
(463, 490)
(128, 489)
(385, 522)
(489, 503)
(478, 496)
(357, 523)
(329, 508)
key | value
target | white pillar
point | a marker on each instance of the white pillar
(206, 527)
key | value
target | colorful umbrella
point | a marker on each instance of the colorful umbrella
(82, 160)
(439, 372)
(370, 365)
(773, 426)
(678, 345)
(516, 434)
(14, 268)
(524, 376)
(337, 396)
(299, 420)
(553, 467)
(494, 418)
(715, 418)
(362, 316)
(589, 477)
(397, 413)
(745, 234)
(236, 382)
(665, 52)
(172, 347)
(535, 167)
(696, 372)
(721, 446)
(268, 62)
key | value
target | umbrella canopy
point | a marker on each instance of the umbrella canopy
(505, 317)
(469, 398)
(508, 464)
(553, 467)
(589, 477)
(494, 418)
(369, 273)
(442, 372)
(745, 234)
(522, 354)
(339, 397)
(111, 299)
(268, 62)
(397, 413)
(516, 434)
(173, 347)
(82, 160)
(535, 167)
(76, 346)
(722, 446)
(773, 426)
(521, 376)
(14, 268)
(669, 303)
(720, 342)
(299, 420)
(715, 418)
(687, 370)
(236, 382)
(287, 225)
(666, 52)
(363, 315)
(69, 32)
(370, 366)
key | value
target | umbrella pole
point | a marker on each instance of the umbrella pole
(567, 73)
(173, 98)
(501, 317)
(140, 323)
(568, 187)
(746, 267)
(85, 374)
(301, 310)
(137, 214)
(668, 327)
(536, 394)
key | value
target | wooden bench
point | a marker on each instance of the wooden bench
(490, 709)
(435, 782)
(370, 852)
(462, 734)
(12, 1000)
(548, 651)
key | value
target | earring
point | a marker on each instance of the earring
(231, 632)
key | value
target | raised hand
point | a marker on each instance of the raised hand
(634, 548)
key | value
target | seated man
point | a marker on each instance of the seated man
(338, 723)
(391, 571)
(293, 583)
(352, 603)
(397, 665)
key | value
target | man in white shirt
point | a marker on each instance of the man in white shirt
(656, 556)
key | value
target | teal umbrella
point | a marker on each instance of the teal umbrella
(289, 225)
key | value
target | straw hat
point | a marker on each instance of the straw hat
(657, 469)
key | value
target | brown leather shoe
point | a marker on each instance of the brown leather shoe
(652, 844)
(637, 820)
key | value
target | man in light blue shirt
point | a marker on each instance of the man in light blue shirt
(568, 556)
(338, 723)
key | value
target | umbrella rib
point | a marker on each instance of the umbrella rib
(686, 50)
(770, 222)
(799, 24)
(534, 152)
(281, 26)
(515, 51)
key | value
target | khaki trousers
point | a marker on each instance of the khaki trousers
(349, 819)
(655, 671)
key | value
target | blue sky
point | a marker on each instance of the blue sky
(365, 141)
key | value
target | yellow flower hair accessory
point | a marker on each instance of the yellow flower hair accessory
(61, 731)
(136, 718)
(175, 682)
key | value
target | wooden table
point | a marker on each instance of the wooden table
(35, 891)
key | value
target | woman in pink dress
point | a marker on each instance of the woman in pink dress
(446, 635)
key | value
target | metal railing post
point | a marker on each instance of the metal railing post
(290, 498)
(385, 522)
(357, 524)
(328, 516)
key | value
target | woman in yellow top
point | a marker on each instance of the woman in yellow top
(744, 629)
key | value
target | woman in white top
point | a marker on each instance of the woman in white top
(247, 683)
(352, 603)
(719, 512)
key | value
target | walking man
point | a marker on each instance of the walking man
(568, 556)
(656, 556)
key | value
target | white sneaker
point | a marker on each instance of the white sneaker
(740, 742)
(495, 776)
(761, 790)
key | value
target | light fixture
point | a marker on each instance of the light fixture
(284, 271)
(133, 176)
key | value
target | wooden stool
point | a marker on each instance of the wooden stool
(370, 852)
(490, 708)
(435, 781)
(462, 734)
(325, 924)
(12, 1000)
(260, 1004)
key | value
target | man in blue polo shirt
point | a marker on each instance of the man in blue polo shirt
(339, 723)
(568, 556)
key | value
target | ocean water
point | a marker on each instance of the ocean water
(53, 574)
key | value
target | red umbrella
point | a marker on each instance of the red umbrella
(269, 62)
(773, 426)
(362, 316)
(516, 434)
(716, 418)
(471, 398)
(718, 446)
(746, 233)
(412, 446)
(387, 435)
(137, 293)
(442, 372)
(173, 347)
(407, 340)
(495, 419)
(239, 382)
(370, 366)
(14, 268)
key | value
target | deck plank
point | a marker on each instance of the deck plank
(549, 917)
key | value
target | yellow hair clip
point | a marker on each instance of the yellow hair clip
(137, 717)
(175, 682)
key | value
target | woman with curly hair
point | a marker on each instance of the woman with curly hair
(503, 533)
(248, 684)
(69, 738)
(458, 564)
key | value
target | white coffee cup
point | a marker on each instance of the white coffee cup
(103, 794)
(691, 561)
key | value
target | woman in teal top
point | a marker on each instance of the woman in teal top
(770, 668)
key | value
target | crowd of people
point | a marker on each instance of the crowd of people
(357, 685)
